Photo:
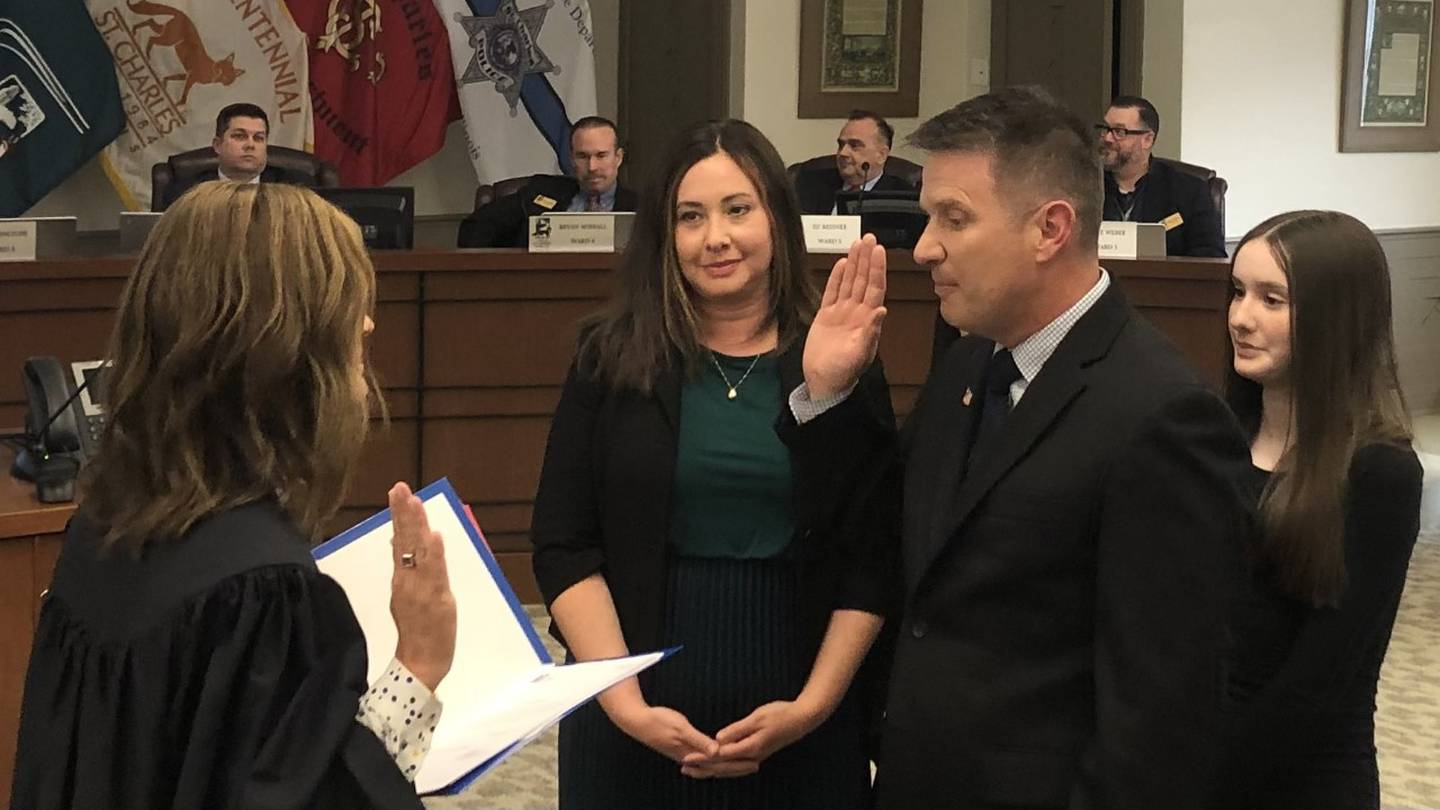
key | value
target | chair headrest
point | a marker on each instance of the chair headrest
(894, 166)
(299, 165)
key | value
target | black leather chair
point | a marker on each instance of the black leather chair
(1214, 182)
(487, 193)
(898, 167)
(308, 169)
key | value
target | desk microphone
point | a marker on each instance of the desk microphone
(864, 178)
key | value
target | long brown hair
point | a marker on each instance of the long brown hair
(237, 362)
(1344, 389)
(652, 315)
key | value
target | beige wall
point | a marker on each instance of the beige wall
(1262, 105)
(955, 31)
(1161, 70)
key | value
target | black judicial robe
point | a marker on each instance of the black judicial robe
(222, 670)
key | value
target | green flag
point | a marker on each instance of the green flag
(59, 102)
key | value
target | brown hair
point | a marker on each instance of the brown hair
(1344, 387)
(1040, 150)
(651, 315)
(236, 363)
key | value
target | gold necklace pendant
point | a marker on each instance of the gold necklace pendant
(732, 391)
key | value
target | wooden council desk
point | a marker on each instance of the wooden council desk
(471, 347)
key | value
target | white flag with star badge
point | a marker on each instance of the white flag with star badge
(524, 70)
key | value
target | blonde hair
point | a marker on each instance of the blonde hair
(235, 354)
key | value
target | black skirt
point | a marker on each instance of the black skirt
(739, 623)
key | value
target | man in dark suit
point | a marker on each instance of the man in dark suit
(860, 153)
(1138, 189)
(242, 131)
(596, 153)
(1071, 531)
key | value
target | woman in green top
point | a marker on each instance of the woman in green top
(671, 513)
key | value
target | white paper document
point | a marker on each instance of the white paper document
(503, 690)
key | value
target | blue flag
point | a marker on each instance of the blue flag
(59, 101)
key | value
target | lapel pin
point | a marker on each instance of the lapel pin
(969, 395)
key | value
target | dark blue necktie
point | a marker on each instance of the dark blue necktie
(1000, 374)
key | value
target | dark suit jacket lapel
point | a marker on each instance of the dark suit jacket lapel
(667, 392)
(792, 370)
(560, 189)
(1060, 380)
(626, 199)
(938, 453)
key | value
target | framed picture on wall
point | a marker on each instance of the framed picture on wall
(1387, 98)
(860, 54)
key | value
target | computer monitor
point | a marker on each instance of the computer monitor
(386, 215)
(893, 216)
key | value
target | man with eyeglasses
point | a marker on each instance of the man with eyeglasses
(1138, 189)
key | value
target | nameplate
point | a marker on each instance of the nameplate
(17, 240)
(572, 233)
(830, 233)
(1132, 240)
(25, 239)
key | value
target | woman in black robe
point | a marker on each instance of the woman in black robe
(188, 653)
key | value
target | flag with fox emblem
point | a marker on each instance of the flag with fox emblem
(58, 101)
(525, 70)
(180, 61)
(380, 84)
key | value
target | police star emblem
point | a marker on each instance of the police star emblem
(506, 48)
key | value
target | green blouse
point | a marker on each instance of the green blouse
(732, 496)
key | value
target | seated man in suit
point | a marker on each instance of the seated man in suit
(1071, 534)
(596, 152)
(241, 132)
(860, 153)
(1140, 190)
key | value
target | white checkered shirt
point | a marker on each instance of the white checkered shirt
(1032, 352)
(1030, 356)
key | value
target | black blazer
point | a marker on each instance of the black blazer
(1064, 636)
(605, 490)
(1164, 191)
(816, 188)
(180, 185)
(503, 221)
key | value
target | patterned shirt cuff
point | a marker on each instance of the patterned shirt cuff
(403, 713)
(805, 409)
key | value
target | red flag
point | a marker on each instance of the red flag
(381, 85)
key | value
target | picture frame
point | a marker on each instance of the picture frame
(860, 54)
(1388, 98)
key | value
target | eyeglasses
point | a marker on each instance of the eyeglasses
(1118, 133)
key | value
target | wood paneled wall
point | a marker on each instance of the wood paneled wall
(472, 347)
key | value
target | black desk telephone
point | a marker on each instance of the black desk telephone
(63, 426)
